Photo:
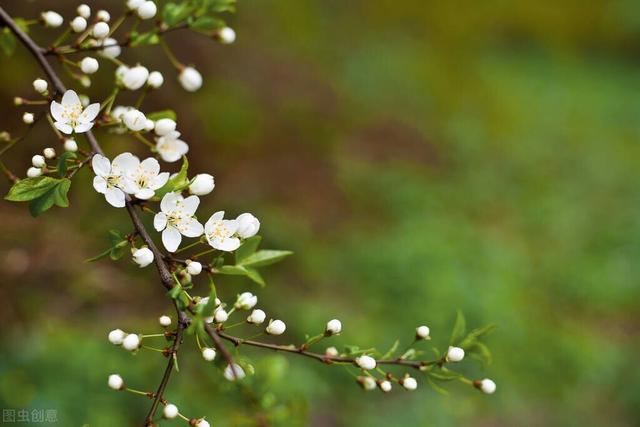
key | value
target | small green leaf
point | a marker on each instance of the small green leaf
(30, 188)
(175, 291)
(392, 350)
(62, 162)
(148, 38)
(99, 257)
(437, 388)
(234, 270)
(472, 338)
(208, 309)
(444, 375)
(174, 13)
(163, 114)
(177, 183)
(7, 41)
(254, 275)
(265, 257)
(459, 328)
(56, 195)
(480, 352)
(207, 23)
(247, 248)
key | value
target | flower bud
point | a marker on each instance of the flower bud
(194, 267)
(155, 79)
(164, 321)
(116, 336)
(52, 19)
(84, 11)
(85, 81)
(40, 85)
(135, 77)
(486, 386)
(256, 317)
(208, 354)
(409, 383)
(38, 161)
(100, 30)
(79, 24)
(103, 16)
(134, 4)
(333, 327)
(164, 127)
(422, 333)
(134, 120)
(367, 383)
(170, 411)
(116, 382)
(49, 153)
(202, 184)
(147, 10)
(246, 301)
(227, 35)
(17, 101)
(28, 118)
(34, 172)
(89, 65)
(70, 145)
(385, 386)
(190, 79)
(131, 342)
(111, 48)
(149, 125)
(331, 352)
(203, 423)
(239, 372)
(220, 315)
(248, 225)
(276, 327)
(455, 354)
(366, 362)
(143, 256)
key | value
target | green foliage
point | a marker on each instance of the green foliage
(177, 183)
(117, 250)
(141, 39)
(62, 162)
(7, 41)
(41, 192)
(163, 114)
(248, 259)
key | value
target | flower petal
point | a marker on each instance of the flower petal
(83, 127)
(169, 202)
(145, 194)
(115, 197)
(70, 98)
(190, 204)
(160, 221)
(101, 165)
(63, 127)
(190, 227)
(159, 181)
(230, 244)
(56, 111)
(100, 184)
(89, 113)
(150, 165)
(124, 163)
(171, 238)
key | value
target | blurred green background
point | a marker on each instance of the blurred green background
(419, 157)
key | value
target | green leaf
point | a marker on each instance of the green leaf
(234, 270)
(247, 248)
(62, 162)
(56, 195)
(207, 23)
(459, 328)
(175, 292)
(265, 257)
(163, 114)
(254, 275)
(116, 251)
(208, 309)
(437, 388)
(177, 183)
(480, 352)
(444, 375)
(99, 257)
(472, 338)
(7, 41)
(174, 13)
(148, 38)
(392, 350)
(30, 188)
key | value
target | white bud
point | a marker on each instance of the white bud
(79, 24)
(246, 301)
(455, 354)
(115, 381)
(131, 342)
(202, 184)
(333, 327)
(164, 127)
(27, 118)
(220, 315)
(248, 225)
(276, 327)
(134, 78)
(70, 145)
(103, 15)
(331, 352)
(239, 374)
(227, 35)
(89, 65)
(256, 317)
(40, 85)
(194, 267)
(84, 11)
(366, 362)
(49, 153)
(170, 411)
(155, 79)
(203, 423)
(52, 19)
(208, 354)
(367, 383)
(422, 332)
(38, 161)
(100, 30)
(409, 383)
(34, 172)
(134, 4)
(116, 336)
(143, 256)
(111, 48)
(164, 321)
(135, 120)
(147, 10)
(85, 81)
(487, 386)
(148, 125)
(385, 386)
(190, 79)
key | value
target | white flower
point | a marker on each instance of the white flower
(221, 315)
(176, 219)
(70, 117)
(203, 423)
(100, 30)
(52, 19)
(147, 10)
(219, 232)
(194, 267)
(116, 336)
(276, 327)
(142, 179)
(111, 48)
(89, 65)
(248, 225)
(367, 383)
(333, 327)
(246, 301)
(331, 352)
(134, 120)
(134, 4)
(208, 354)
(115, 381)
(164, 321)
(422, 332)
(131, 342)
(202, 184)
(155, 79)
(455, 354)
(366, 362)
(49, 153)
(27, 118)
(487, 386)
(170, 411)
(103, 15)
(409, 383)
(118, 111)
(227, 35)
(149, 125)
(84, 11)
(40, 85)
(79, 24)
(70, 145)
(164, 127)
(190, 79)
(34, 172)
(239, 372)
(170, 148)
(135, 77)
(110, 177)
(143, 256)
(385, 386)
(257, 316)
(38, 161)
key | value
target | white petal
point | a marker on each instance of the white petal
(159, 181)
(230, 244)
(192, 228)
(83, 127)
(150, 165)
(56, 111)
(70, 97)
(169, 201)
(232, 225)
(101, 165)
(100, 184)
(115, 197)
(190, 204)
(160, 221)
(125, 162)
(212, 220)
(145, 194)
(89, 113)
(171, 238)
(129, 186)
(63, 127)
